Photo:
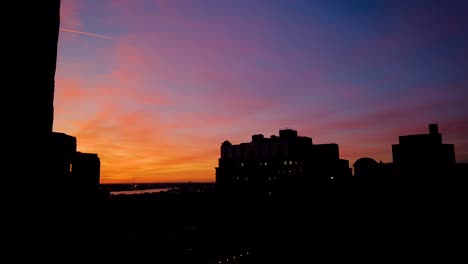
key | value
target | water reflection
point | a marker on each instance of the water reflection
(153, 190)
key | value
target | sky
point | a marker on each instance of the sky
(155, 87)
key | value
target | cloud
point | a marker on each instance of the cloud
(157, 101)
(70, 14)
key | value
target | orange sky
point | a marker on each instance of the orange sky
(154, 87)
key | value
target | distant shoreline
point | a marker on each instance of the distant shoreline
(131, 187)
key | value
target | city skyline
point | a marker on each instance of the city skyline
(155, 87)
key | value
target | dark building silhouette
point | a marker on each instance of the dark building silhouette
(63, 151)
(266, 166)
(74, 174)
(85, 173)
(367, 168)
(285, 187)
(415, 202)
(423, 154)
(33, 94)
(36, 65)
(401, 209)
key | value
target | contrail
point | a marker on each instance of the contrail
(85, 33)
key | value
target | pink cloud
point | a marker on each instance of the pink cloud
(69, 14)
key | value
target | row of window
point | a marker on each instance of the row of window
(247, 178)
(286, 162)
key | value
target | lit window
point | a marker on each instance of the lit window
(237, 177)
(331, 177)
(265, 163)
(269, 178)
(290, 162)
(285, 162)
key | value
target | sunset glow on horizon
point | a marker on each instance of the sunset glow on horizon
(155, 87)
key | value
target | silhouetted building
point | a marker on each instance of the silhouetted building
(267, 166)
(285, 175)
(39, 50)
(63, 151)
(367, 168)
(33, 92)
(86, 170)
(73, 170)
(423, 154)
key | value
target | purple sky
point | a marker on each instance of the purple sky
(161, 84)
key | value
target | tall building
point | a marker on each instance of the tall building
(423, 154)
(282, 188)
(37, 54)
(32, 97)
(266, 167)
